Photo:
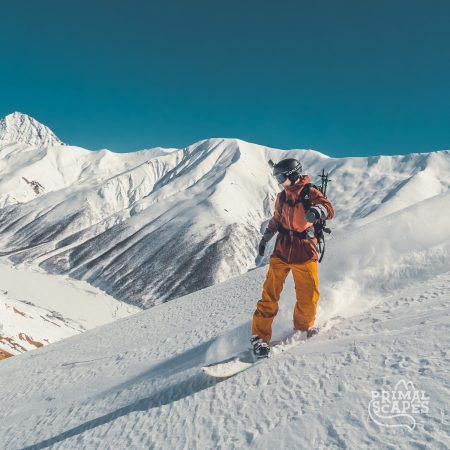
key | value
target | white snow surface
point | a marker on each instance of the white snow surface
(37, 308)
(136, 383)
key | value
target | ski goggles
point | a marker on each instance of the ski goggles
(282, 176)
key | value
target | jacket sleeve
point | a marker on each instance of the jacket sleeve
(317, 198)
(275, 220)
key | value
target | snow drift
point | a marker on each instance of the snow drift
(136, 383)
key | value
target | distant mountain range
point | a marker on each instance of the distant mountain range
(156, 224)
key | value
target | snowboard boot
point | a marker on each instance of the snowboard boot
(261, 349)
(312, 332)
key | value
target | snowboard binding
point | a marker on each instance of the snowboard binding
(312, 332)
(261, 348)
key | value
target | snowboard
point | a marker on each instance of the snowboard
(247, 359)
(232, 366)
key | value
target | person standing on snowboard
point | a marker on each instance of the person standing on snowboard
(295, 249)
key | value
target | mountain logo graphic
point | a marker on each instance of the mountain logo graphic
(397, 407)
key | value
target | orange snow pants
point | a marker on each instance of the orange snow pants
(306, 289)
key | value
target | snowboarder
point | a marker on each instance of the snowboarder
(296, 211)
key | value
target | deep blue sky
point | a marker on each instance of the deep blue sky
(345, 77)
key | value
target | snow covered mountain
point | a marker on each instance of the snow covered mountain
(136, 383)
(37, 309)
(153, 225)
(18, 127)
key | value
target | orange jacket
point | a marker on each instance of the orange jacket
(293, 249)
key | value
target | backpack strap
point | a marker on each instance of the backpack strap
(303, 198)
(281, 203)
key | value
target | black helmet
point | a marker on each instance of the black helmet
(287, 168)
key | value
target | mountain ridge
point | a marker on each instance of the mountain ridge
(116, 220)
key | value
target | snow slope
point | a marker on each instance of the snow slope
(384, 313)
(37, 308)
(117, 220)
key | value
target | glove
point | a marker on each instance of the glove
(262, 247)
(315, 213)
(267, 236)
